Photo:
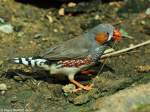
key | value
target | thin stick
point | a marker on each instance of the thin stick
(128, 36)
(125, 50)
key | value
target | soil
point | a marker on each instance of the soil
(38, 26)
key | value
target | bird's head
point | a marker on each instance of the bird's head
(108, 37)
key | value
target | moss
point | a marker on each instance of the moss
(142, 108)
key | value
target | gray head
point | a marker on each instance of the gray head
(104, 33)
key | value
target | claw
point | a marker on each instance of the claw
(87, 88)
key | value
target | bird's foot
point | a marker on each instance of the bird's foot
(87, 88)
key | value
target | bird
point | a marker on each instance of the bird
(78, 54)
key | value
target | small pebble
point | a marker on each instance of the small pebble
(18, 78)
(97, 17)
(82, 99)
(50, 18)
(131, 45)
(6, 28)
(71, 4)
(147, 11)
(69, 88)
(38, 35)
(143, 69)
(2, 20)
(20, 34)
(143, 22)
(3, 87)
(55, 30)
(14, 99)
(3, 92)
(61, 12)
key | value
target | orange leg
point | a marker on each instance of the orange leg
(88, 87)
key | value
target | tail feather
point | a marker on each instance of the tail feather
(30, 61)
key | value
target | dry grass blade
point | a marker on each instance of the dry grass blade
(125, 50)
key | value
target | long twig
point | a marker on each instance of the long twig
(125, 50)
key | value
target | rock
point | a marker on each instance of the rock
(55, 30)
(69, 88)
(2, 20)
(71, 4)
(50, 18)
(14, 99)
(82, 99)
(141, 69)
(18, 78)
(3, 92)
(20, 34)
(125, 100)
(38, 35)
(3, 87)
(143, 22)
(147, 11)
(6, 28)
(97, 17)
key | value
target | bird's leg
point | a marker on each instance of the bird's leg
(87, 87)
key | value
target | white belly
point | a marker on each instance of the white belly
(66, 70)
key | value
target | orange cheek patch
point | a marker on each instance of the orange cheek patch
(101, 37)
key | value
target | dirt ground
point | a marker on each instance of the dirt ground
(38, 26)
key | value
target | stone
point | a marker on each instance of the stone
(3, 87)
